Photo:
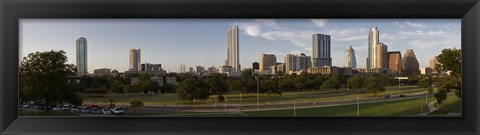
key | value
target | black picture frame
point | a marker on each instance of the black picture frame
(13, 10)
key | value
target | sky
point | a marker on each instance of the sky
(203, 42)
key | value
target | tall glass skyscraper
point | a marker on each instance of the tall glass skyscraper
(321, 50)
(81, 49)
(135, 63)
(349, 58)
(233, 58)
(373, 40)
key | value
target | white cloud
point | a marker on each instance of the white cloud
(415, 25)
(399, 25)
(252, 30)
(319, 22)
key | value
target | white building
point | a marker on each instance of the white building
(349, 59)
(134, 64)
(233, 58)
(171, 79)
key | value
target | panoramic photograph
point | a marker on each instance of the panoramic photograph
(240, 68)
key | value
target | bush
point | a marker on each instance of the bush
(221, 98)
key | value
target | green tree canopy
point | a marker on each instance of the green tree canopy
(191, 88)
(43, 79)
(375, 85)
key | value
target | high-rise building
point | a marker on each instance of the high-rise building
(134, 64)
(147, 67)
(321, 50)
(395, 61)
(425, 70)
(373, 40)
(190, 70)
(266, 61)
(349, 58)
(410, 63)
(82, 68)
(182, 68)
(295, 63)
(255, 66)
(232, 49)
(381, 56)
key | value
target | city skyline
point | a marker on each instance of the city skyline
(257, 37)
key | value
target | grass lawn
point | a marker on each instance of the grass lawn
(407, 107)
(24, 112)
(452, 104)
(286, 97)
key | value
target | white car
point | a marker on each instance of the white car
(85, 110)
(106, 111)
(56, 108)
(66, 108)
(118, 111)
(95, 110)
(75, 110)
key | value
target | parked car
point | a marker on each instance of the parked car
(56, 108)
(402, 96)
(85, 110)
(118, 111)
(75, 110)
(95, 110)
(66, 108)
(106, 111)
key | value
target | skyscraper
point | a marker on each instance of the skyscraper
(381, 56)
(295, 63)
(321, 50)
(255, 66)
(433, 63)
(134, 64)
(182, 68)
(410, 63)
(232, 49)
(349, 58)
(373, 40)
(267, 60)
(82, 56)
(395, 61)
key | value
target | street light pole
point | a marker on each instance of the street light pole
(358, 106)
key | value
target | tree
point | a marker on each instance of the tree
(192, 88)
(168, 88)
(375, 85)
(110, 98)
(355, 82)
(128, 88)
(136, 103)
(117, 86)
(148, 85)
(425, 82)
(449, 60)
(43, 78)
(332, 83)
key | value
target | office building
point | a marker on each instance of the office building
(433, 63)
(233, 58)
(82, 62)
(101, 72)
(134, 64)
(349, 59)
(321, 50)
(182, 68)
(425, 70)
(190, 70)
(327, 70)
(410, 63)
(395, 61)
(381, 56)
(266, 61)
(373, 40)
(147, 67)
(295, 63)
(255, 66)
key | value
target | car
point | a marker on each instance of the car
(66, 108)
(402, 96)
(75, 110)
(95, 110)
(118, 111)
(56, 108)
(85, 110)
(106, 111)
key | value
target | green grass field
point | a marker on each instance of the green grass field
(24, 112)
(407, 107)
(286, 97)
